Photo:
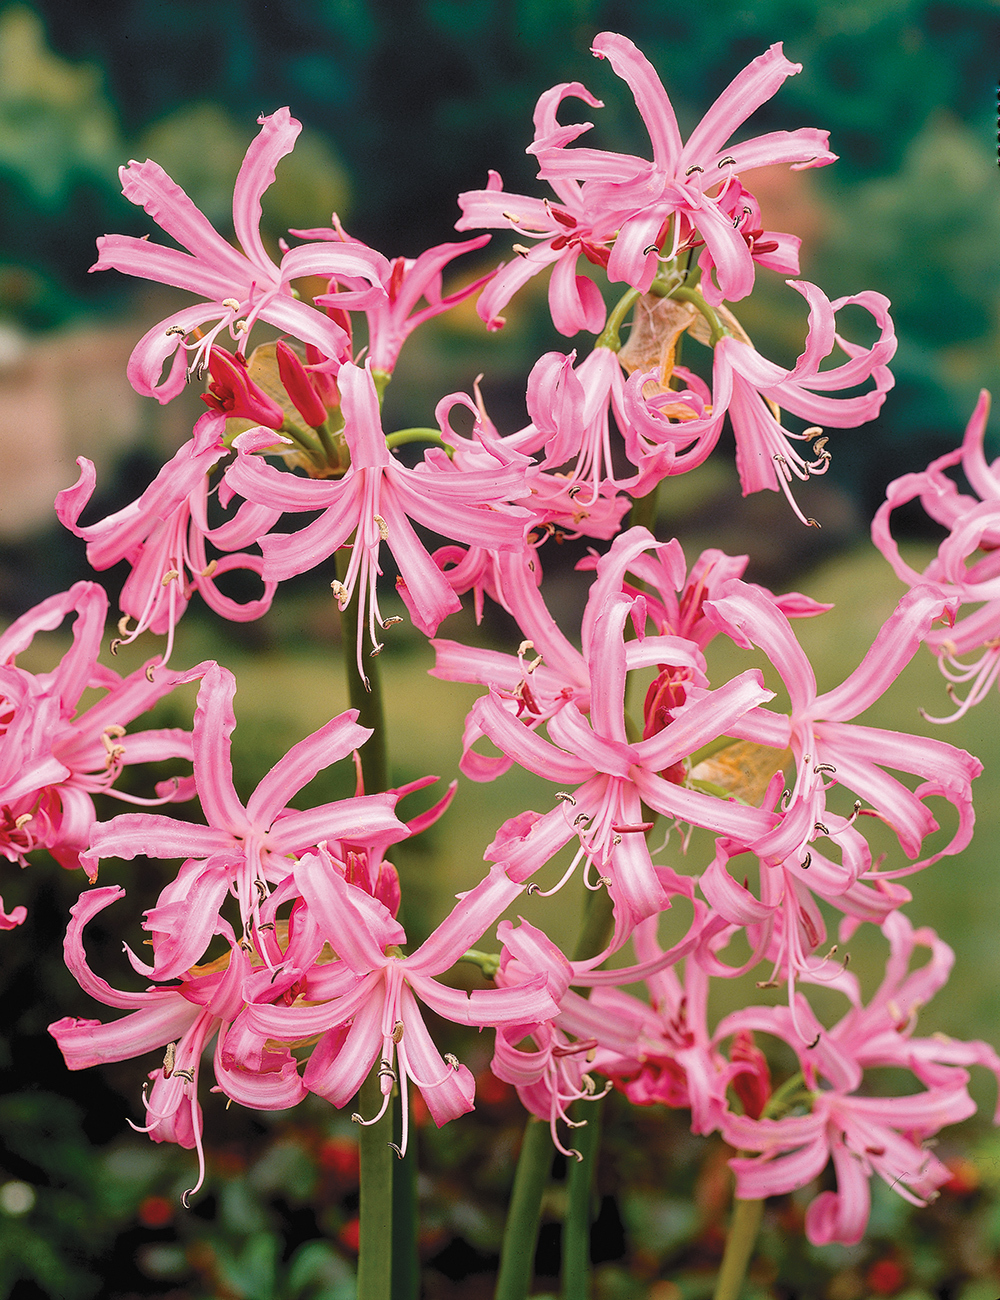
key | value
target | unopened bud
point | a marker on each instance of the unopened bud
(299, 387)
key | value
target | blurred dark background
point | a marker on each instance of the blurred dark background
(406, 103)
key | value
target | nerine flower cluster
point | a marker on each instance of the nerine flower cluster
(302, 905)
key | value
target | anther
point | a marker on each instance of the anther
(650, 248)
(385, 1071)
(186, 1075)
(376, 650)
(561, 794)
(532, 888)
(209, 569)
(231, 303)
(168, 577)
(123, 626)
(392, 1147)
(22, 820)
(391, 622)
(767, 984)
(261, 888)
(268, 925)
(691, 170)
(340, 592)
(452, 1060)
(382, 526)
(728, 161)
(806, 862)
(169, 1056)
(397, 1032)
(149, 673)
(176, 329)
(822, 828)
(814, 1043)
(825, 767)
(521, 251)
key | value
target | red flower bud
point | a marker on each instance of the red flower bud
(299, 387)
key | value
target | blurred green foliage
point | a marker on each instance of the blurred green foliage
(409, 102)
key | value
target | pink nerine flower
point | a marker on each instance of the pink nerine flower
(182, 1019)
(612, 776)
(374, 501)
(862, 1134)
(365, 1004)
(244, 850)
(162, 535)
(830, 748)
(687, 182)
(752, 390)
(393, 318)
(241, 287)
(966, 568)
(53, 759)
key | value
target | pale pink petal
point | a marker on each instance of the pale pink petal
(303, 761)
(650, 98)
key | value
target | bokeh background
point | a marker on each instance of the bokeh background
(405, 104)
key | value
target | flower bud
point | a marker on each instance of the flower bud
(299, 387)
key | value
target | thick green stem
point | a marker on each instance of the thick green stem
(598, 924)
(405, 1259)
(367, 701)
(378, 1243)
(609, 336)
(580, 1182)
(375, 1217)
(329, 450)
(740, 1242)
(517, 1257)
(644, 511)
